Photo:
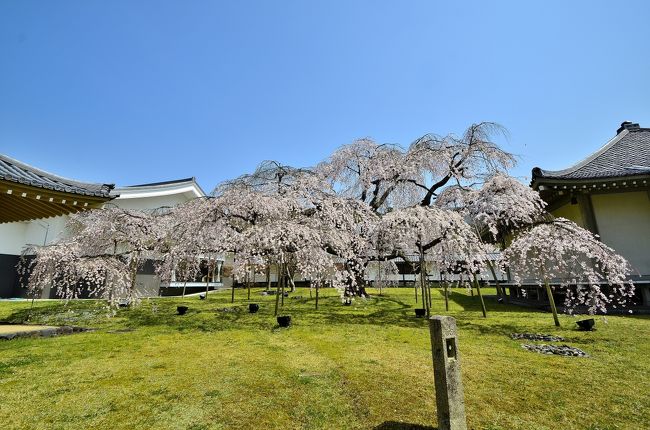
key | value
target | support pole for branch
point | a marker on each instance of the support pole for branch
(425, 300)
(480, 295)
(248, 285)
(446, 292)
(500, 289)
(415, 285)
(379, 278)
(207, 285)
(277, 293)
(551, 301)
(268, 277)
(428, 282)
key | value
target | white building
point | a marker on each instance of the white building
(34, 208)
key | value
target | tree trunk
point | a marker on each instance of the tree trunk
(356, 287)
(184, 286)
(480, 295)
(317, 288)
(290, 281)
(551, 301)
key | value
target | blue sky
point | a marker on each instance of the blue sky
(144, 91)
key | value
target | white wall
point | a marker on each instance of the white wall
(145, 203)
(623, 221)
(15, 236)
(12, 237)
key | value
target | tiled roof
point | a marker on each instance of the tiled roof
(15, 171)
(172, 182)
(627, 154)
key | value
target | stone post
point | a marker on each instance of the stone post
(450, 399)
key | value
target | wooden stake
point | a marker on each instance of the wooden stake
(480, 295)
(277, 293)
(500, 289)
(551, 300)
(446, 287)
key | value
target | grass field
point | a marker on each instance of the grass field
(365, 366)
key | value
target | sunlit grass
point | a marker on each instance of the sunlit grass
(339, 367)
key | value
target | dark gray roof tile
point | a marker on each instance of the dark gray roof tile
(627, 154)
(15, 171)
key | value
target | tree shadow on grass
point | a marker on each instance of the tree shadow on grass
(218, 314)
(382, 310)
(473, 304)
(395, 425)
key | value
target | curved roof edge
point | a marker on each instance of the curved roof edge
(164, 188)
(625, 155)
(13, 170)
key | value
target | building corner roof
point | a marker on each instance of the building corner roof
(625, 155)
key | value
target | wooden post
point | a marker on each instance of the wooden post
(480, 295)
(379, 276)
(268, 277)
(277, 293)
(415, 288)
(500, 289)
(446, 292)
(207, 281)
(248, 285)
(450, 398)
(551, 301)
(425, 301)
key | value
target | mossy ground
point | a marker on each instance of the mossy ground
(365, 366)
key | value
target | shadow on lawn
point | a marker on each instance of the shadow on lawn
(469, 303)
(394, 425)
(218, 314)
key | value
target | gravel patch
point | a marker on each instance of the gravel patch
(537, 336)
(564, 350)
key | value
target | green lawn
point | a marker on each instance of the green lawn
(366, 366)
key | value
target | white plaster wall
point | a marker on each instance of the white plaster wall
(144, 203)
(36, 230)
(12, 237)
(623, 221)
(15, 236)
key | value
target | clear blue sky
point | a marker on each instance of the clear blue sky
(143, 91)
